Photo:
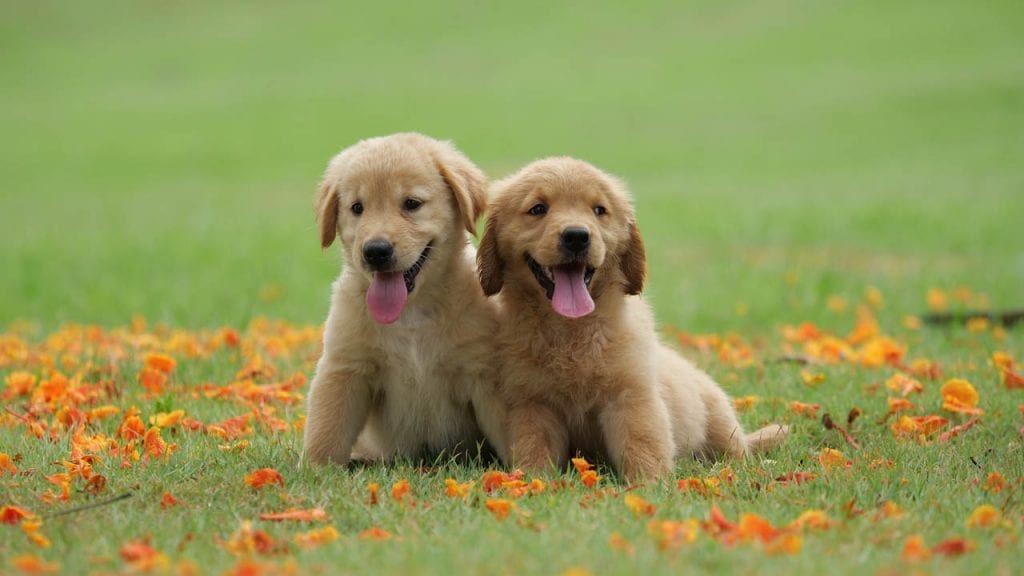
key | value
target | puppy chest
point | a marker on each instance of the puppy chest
(423, 397)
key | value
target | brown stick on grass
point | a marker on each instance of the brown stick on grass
(830, 424)
(1007, 318)
(90, 506)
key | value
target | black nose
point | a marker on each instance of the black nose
(575, 240)
(378, 253)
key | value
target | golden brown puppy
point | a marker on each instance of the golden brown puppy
(407, 352)
(581, 365)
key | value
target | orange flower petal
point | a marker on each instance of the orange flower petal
(316, 537)
(168, 500)
(31, 564)
(984, 516)
(670, 534)
(809, 410)
(500, 507)
(263, 476)
(617, 542)
(638, 505)
(581, 465)
(293, 515)
(375, 533)
(589, 478)
(400, 490)
(754, 527)
(953, 547)
(785, 544)
(831, 458)
(959, 395)
(13, 514)
(160, 362)
(816, 519)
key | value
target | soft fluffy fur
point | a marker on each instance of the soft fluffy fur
(602, 383)
(408, 388)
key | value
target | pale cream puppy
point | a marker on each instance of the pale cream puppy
(407, 359)
(581, 364)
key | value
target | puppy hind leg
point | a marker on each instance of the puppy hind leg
(725, 435)
(537, 438)
(638, 436)
(767, 438)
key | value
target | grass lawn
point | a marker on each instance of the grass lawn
(791, 162)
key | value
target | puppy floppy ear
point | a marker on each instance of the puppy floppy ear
(467, 183)
(633, 262)
(327, 213)
(490, 266)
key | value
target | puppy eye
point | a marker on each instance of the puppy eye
(357, 208)
(538, 210)
(600, 210)
(411, 204)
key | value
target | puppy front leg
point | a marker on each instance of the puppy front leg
(638, 435)
(338, 406)
(492, 418)
(537, 438)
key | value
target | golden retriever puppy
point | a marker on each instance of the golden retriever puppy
(581, 364)
(407, 359)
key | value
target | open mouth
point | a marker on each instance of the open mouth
(566, 285)
(410, 274)
(389, 291)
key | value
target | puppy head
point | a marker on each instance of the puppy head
(562, 230)
(399, 203)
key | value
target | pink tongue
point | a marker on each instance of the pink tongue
(571, 298)
(386, 296)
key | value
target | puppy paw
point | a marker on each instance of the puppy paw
(647, 463)
(646, 470)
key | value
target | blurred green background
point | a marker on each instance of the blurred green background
(161, 157)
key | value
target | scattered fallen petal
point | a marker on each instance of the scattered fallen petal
(32, 564)
(293, 515)
(638, 505)
(316, 537)
(500, 507)
(264, 476)
(376, 534)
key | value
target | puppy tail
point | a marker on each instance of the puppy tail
(767, 438)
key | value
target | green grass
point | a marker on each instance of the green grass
(161, 159)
